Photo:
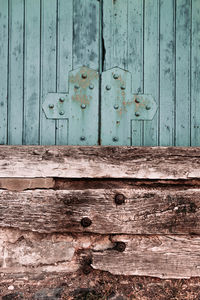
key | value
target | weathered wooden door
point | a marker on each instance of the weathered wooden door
(157, 102)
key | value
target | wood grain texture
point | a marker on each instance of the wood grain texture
(151, 66)
(16, 72)
(48, 67)
(167, 73)
(99, 162)
(145, 211)
(4, 70)
(158, 256)
(183, 82)
(195, 74)
(64, 62)
(31, 73)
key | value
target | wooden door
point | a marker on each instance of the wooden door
(41, 42)
(156, 41)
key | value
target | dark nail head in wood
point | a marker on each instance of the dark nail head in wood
(87, 269)
(86, 222)
(120, 246)
(119, 199)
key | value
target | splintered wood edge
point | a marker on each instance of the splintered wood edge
(171, 163)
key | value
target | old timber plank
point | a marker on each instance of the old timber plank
(144, 211)
(160, 256)
(100, 162)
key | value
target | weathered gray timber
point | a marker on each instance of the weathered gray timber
(141, 211)
(100, 162)
(124, 210)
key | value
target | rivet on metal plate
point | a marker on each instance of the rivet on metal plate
(115, 76)
(137, 100)
(83, 106)
(115, 139)
(84, 75)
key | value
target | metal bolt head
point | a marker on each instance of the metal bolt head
(137, 114)
(108, 87)
(115, 76)
(51, 106)
(116, 106)
(87, 269)
(62, 100)
(137, 100)
(115, 139)
(76, 86)
(86, 222)
(91, 86)
(148, 107)
(84, 75)
(119, 199)
(83, 106)
(61, 113)
(120, 246)
(82, 138)
(123, 87)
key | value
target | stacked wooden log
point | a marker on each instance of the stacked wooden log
(124, 210)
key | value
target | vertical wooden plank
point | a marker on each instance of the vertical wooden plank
(167, 72)
(85, 53)
(16, 72)
(48, 65)
(151, 65)
(195, 74)
(3, 70)
(32, 72)
(123, 40)
(135, 60)
(64, 60)
(120, 36)
(86, 34)
(115, 33)
(183, 21)
(108, 61)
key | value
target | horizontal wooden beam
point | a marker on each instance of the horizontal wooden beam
(100, 162)
(169, 256)
(111, 211)
(159, 256)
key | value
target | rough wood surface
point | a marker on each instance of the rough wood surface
(164, 256)
(159, 256)
(145, 210)
(100, 162)
(20, 184)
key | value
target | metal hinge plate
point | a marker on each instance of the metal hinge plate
(79, 105)
(120, 107)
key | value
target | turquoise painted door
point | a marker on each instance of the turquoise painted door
(129, 58)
